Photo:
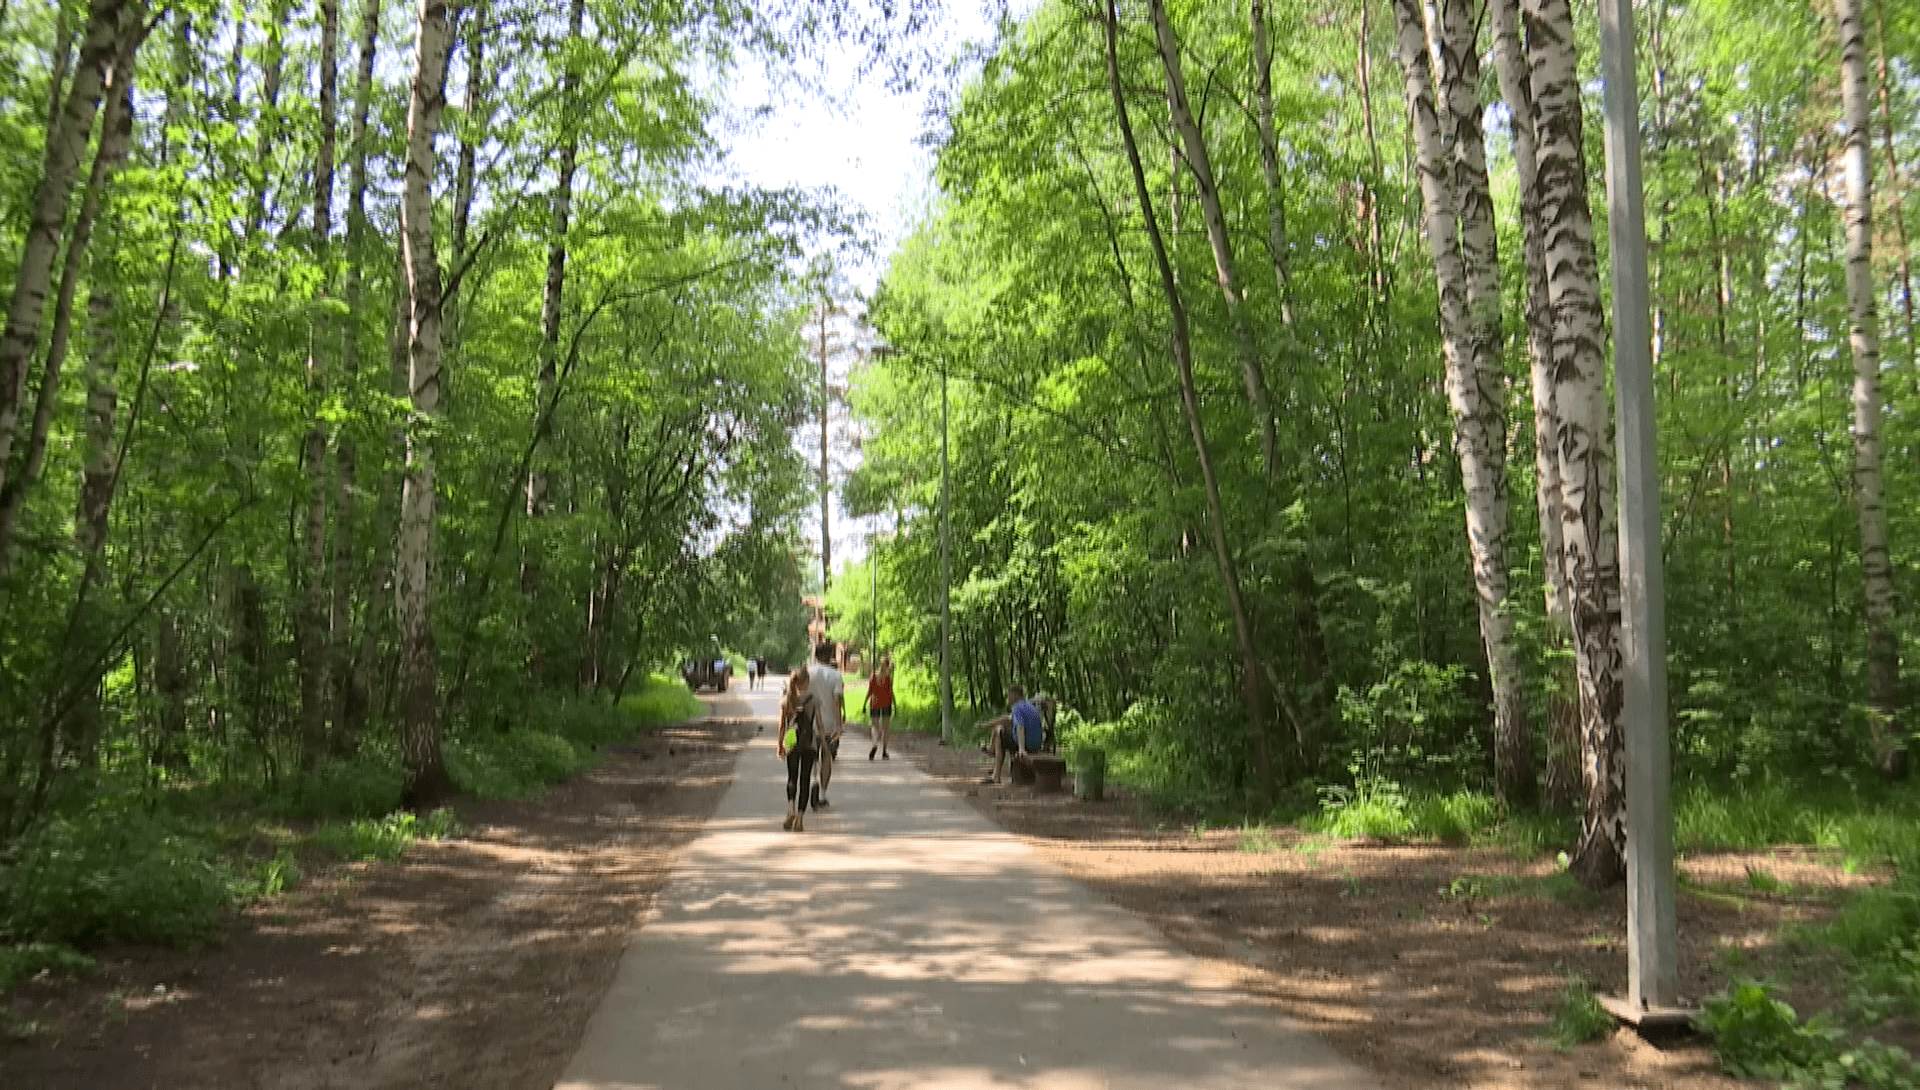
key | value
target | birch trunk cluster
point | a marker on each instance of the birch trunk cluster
(1440, 58)
(427, 781)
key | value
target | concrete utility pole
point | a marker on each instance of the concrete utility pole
(1651, 949)
(873, 562)
(826, 486)
(946, 578)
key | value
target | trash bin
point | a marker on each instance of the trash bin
(1090, 774)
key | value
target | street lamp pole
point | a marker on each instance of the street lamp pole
(1651, 948)
(946, 579)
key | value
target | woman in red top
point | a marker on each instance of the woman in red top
(880, 707)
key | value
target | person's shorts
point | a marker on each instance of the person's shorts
(879, 712)
(1010, 742)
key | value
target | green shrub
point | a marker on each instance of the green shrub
(663, 699)
(513, 764)
(1578, 1017)
(20, 961)
(1761, 1037)
(275, 875)
(366, 786)
(114, 872)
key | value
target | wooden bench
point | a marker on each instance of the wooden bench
(1042, 771)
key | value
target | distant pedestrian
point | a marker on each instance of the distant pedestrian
(799, 746)
(830, 691)
(879, 705)
(753, 673)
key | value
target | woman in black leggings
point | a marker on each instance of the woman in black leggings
(799, 745)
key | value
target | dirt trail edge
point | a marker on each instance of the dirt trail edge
(474, 962)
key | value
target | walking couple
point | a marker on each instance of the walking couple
(812, 715)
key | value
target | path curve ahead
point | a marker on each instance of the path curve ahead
(904, 941)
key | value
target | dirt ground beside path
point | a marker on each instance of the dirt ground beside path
(472, 962)
(1432, 966)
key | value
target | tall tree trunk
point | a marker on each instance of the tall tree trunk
(1876, 570)
(1459, 213)
(1510, 59)
(427, 784)
(553, 298)
(1193, 147)
(116, 136)
(465, 169)
(267, 125)
(350, 667)
(1583, 438)
(107, 23)
(1270, 160)
(170, 684)
(1252, 692)
(316, 648)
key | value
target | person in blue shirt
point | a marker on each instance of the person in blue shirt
(1022, 730)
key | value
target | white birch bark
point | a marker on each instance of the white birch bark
(1863, 334)
(1583, 437)
(1459, 210)
(427, 782)
(1510, 59)
(67, 141)
(1193, 147)
(116, 137)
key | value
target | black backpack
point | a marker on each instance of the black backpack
(804, 722)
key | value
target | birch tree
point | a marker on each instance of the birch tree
(427, 782)
(1583, 437)
(1459, 216)
(107, 24)
(1510, 62)
(1863, 336)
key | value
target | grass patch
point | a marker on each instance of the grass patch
(23, 960)
(384, 839)
(1577, 1016)
(1257, 838)
(1868, 830)
(1381, 810)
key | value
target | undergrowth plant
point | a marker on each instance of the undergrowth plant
(1578, 1017)
(1760, 1036)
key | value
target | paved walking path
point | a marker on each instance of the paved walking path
(905, 941)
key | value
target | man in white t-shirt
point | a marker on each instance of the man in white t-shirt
(830, 689)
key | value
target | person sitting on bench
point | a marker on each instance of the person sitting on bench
(1020, 731)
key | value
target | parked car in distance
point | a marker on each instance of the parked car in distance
(706, 673)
